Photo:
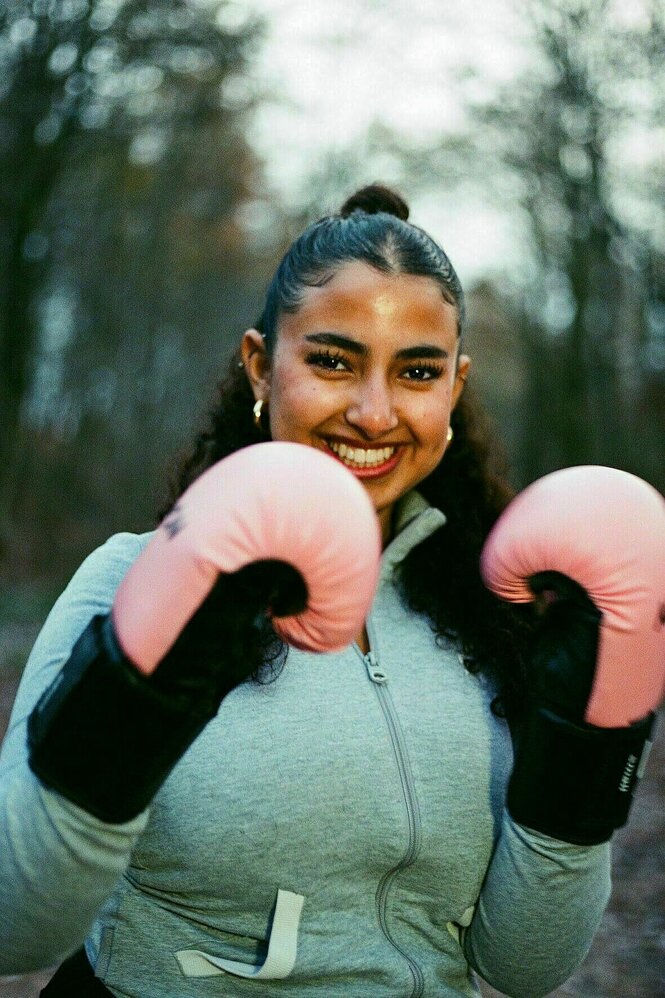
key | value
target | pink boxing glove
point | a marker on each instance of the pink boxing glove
(605, 529)
(588, 545)
(273, 501)
(279, 531)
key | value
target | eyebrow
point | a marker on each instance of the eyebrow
(423, 350)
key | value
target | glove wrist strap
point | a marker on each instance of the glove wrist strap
(106, 737)
(574, 781)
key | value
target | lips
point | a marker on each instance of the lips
(366, 462)
(361, 457)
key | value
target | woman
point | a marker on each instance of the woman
(339, 830)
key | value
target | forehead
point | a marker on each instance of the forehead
(359, 298)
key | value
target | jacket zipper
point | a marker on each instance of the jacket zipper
(380, 682)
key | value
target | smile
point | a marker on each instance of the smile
(362, 457)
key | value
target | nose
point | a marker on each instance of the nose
(372, 409)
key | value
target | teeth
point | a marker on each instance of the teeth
(361, 457)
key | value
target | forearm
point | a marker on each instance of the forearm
(539, 908)
(58, 865)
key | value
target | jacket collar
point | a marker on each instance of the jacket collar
(415, 520)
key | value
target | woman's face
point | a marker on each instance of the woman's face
(367, 370)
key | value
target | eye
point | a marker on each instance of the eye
(327, 360)
(423, 372)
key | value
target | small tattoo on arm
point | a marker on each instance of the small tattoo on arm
(173, 522)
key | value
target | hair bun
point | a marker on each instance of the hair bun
(373, 199)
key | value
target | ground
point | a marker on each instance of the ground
(627, 959)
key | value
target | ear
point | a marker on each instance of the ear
(461, 374)
(256, 362)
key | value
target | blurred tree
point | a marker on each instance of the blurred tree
(570, 150)
(123, 169)
(577, 135)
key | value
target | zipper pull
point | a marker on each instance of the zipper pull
(376, 674)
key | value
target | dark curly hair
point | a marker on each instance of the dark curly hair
(469, 485)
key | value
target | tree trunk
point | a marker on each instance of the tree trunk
(18, 324)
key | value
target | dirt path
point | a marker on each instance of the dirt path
(627, 959)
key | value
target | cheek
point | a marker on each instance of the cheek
(431, 420)
(295, 406)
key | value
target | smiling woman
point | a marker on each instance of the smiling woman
(340, 830)
(368, 369)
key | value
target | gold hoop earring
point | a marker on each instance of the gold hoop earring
(450, 435)
(258, 412)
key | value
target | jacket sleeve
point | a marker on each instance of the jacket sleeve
(539, 908)
(58, 864)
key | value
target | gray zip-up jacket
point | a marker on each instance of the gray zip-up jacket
(337, 832)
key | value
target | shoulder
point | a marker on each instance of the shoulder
(93, 586)
(110, 560)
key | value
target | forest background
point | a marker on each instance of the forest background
(156, 156)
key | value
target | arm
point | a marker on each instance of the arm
(142, 681)
(539, 908)
(58, 864)
(587, 545)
